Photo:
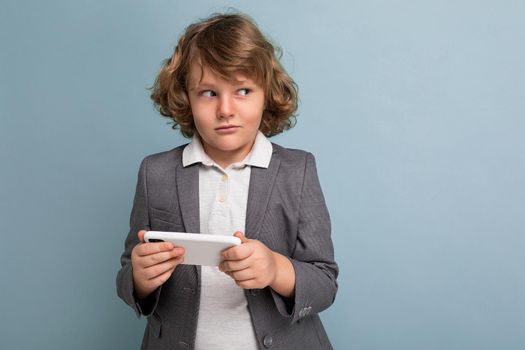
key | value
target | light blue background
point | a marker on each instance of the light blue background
(414, 110)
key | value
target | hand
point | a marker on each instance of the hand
(251, 264)
(153, 264)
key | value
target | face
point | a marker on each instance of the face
(227, 114)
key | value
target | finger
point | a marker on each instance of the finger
(243, 275)
(239, 252)
(154, 271)
(141, 235)
(161, 279)
(248, 284)
(153, 248)
(234, 265)
(154, 259)
(241, 236)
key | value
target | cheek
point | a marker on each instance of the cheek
(258, 119)
(201, 115)
(200, 125)
(254, 113)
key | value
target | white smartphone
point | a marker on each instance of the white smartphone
(200, 248)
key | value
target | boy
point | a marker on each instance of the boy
(225, 88)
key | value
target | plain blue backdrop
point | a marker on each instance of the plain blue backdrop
(413, 109)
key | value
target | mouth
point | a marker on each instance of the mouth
(227, 127)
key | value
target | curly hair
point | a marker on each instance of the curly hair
(227, 44)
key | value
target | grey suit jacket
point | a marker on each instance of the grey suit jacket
(285, 210)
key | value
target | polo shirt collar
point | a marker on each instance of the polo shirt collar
(259, 156)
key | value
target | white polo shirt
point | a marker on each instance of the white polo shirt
(224, 320)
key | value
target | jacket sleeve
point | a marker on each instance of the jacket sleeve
(139, 220)
(313, 258)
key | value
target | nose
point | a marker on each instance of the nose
(225, 108)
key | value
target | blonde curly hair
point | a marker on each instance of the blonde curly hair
(228, 44)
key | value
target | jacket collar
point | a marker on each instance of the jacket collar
(262, 181)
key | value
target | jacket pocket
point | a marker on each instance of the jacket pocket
(163, 220)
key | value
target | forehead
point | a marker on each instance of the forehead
(203, 74)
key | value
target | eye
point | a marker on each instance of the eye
(244, 91)
(208, 93)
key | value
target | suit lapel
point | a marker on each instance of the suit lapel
(187, 179)
(261, 185)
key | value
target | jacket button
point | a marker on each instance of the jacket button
(268, 341)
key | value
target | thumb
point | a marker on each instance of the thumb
(141, 235)
(241, 236)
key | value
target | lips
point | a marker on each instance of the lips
(227, 127)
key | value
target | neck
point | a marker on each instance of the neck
(226, 158)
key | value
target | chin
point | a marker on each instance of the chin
(228, 145)
(230, 148)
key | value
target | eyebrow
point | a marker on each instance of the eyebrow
(201, 86)
(207, 85)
